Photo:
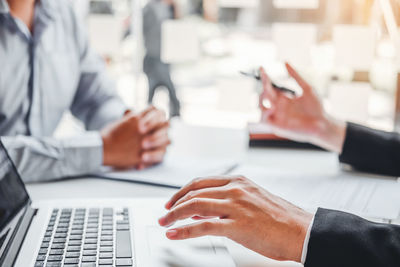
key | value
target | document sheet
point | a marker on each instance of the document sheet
(174, 171)
(361, 194)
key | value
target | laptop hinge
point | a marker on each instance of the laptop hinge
(19, 236)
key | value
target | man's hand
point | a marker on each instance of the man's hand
(242, 211)
(136, 140)
(300, 118)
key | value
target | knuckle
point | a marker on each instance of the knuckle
(190, 195)
(194, 203)
(196, 181)
(185, 232)
(206, 227)
(236, 191)
(241, 179)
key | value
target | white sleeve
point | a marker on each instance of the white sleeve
(305, 244)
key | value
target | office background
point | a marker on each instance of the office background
(346, 49)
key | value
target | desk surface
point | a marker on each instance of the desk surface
(197, 141)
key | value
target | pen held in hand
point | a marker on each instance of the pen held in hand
(277, 87)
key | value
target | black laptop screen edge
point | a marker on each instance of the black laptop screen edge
(8, 226)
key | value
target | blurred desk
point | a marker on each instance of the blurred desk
(196, 141)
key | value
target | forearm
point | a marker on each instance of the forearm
(342, 239)
(44, 159)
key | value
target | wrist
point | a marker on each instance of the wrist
(303, 227)
(330, 134)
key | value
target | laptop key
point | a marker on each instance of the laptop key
(58, 246)
(123, 262)
(60, 235)
(72, 254)
(106, 243)
(54, 258)
(71, 261)
(89, 259)
(74, 243)
(90, 247)
(89, 253)
(48, 233)
(73, 248)
(107, 238)
(75, 237)
(105, 255)
(39, 264)
(88, 264)
(91, 235)
(56, 252)
(105, 261)
(106, 232)
(59, 240)
(123, 244)
(106, 249)
(41, 258)
(77, 232)
(53, 264)
(45, 245)
(42, 251)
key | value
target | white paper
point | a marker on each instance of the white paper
(298, 4)
(179, 41)
(354, 46)
(294, 41)
(174, 171)
(363, 195)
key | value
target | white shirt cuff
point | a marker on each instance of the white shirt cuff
(306, 241)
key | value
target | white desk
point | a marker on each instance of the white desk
(189, 140)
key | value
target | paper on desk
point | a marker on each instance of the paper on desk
(174, 171)
(363, 195)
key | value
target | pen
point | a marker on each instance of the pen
(280, 88)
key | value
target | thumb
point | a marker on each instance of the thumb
(303, 84)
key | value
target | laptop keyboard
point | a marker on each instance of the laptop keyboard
(86, 238)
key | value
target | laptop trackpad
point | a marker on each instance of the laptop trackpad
(198, 252)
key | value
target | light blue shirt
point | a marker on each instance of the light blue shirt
(43, 75)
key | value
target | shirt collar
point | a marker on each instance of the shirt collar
(4, 8)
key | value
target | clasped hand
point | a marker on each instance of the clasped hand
(136, 140)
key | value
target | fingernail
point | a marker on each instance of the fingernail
(172, 233)
(145, 157)
(162, 221)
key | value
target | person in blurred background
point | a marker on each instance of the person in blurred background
(158, 73)
(48, 68)
(275, 228)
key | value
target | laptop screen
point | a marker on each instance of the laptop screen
(13, 195)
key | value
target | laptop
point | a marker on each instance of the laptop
(85, 232)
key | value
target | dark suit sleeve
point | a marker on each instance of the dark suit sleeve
(340, 239)
(371, 150)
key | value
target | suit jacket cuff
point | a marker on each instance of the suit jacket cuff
(371, 150)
